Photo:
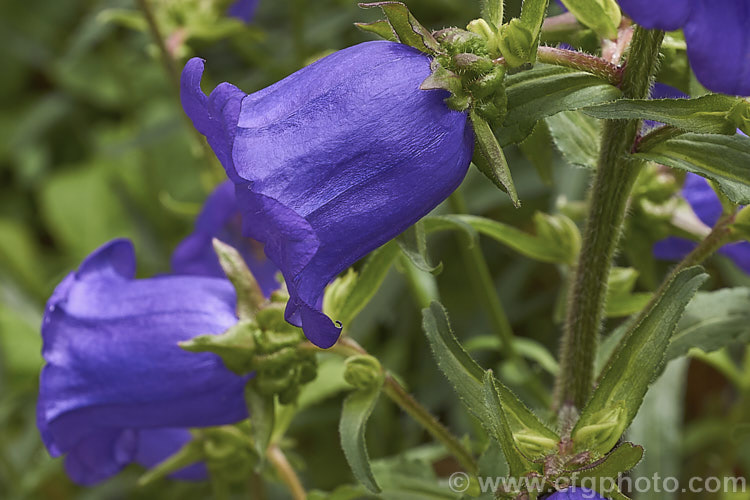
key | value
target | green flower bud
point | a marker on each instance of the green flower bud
(363, 372)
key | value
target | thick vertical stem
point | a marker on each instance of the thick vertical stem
(615, 176)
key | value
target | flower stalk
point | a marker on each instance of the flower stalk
(286, 472)
(615, 176)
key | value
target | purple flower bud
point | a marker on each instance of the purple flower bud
(220, 218)
(716, 32)
(333, 161)
(244, 10)
(114, 369)
(575, 493)
(707, 207)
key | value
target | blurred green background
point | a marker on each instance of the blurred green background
(94, 145)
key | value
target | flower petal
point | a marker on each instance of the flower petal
(220, 218)
(156, 445)
(666, 15)
(113, 362)
(718, 44)
(673, 248)
(702, 199)
(243, 10)
(214, 116)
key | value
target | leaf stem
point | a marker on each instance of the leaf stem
(286, 472)
(173, 75)
(584, 62)
(396, 392)
(615, 176)
(481, 279)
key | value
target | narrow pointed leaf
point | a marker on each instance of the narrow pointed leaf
(577, 136)
(709, 114)
(489, 158)
(464, 374)
(633, 366)
(355, 412)
(713, 320)
(408, 30)
(544, 91)
(720, 158)
(498, 425)
(434, 223)
(413, 244)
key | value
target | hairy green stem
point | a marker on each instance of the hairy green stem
(615, 176)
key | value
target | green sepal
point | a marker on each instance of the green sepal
(633, 366)
(741, 225)
(236, 346)
(602, 16)
(381, 28)
(249, 295)
(739, 115)
(621, 301)
(413, 243)
(492, 12)
(406, 27)
(355, 413)
(518, 40)
(441, 78)
(489, 158)
(559, 232)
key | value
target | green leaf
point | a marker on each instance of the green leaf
(536, 148)
(534, 439)
(577, 136)
(20, 342)
(526, 347)
(262, 408)
(434, 223)
(355, 412)
(723, 159)
(489, 158)
(349, 294)
(381, 28)
(708, 114)
(557, 244)
(468, 379)
(633, 367)
(602, 16)
(518, 464)
(659, 425)
(713, 320)
(413, 243)
(82, 211)
(605, 472)
(464, 374)
(544, 91)
(408, 30)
